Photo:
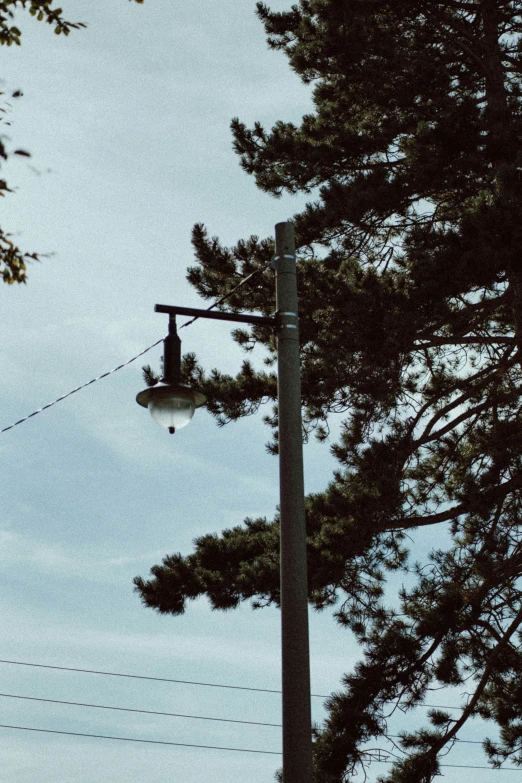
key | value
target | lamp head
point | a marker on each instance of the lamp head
(171, 406)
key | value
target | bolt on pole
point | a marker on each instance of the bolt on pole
(297, 724)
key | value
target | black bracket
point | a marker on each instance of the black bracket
(172, 343)
(244, 318)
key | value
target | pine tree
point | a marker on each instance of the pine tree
(410, 275)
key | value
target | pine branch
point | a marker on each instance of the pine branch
(434, 341)
(486, 496)
(483, 682)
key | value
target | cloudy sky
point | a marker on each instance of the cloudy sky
(128, 126)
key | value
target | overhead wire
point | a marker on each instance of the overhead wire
(227, 295)
(183, 682)
(143, 712)
(176, 681)
(167, 714)
(220, 747)
(173, 714)
(137, 739)
(146, 677)
(79, 388)
(129, 361)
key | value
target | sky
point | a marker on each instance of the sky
(127, 123)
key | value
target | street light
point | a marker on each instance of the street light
(172, 405)
(170, 402)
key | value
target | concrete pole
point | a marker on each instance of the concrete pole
(297, 731)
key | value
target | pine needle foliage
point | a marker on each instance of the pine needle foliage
(410, 278)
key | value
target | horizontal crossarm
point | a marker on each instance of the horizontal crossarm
(244, 318)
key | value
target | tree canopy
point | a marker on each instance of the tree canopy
(13, 260)
(410, 278)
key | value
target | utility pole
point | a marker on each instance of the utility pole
(172, 405)
(297, 728)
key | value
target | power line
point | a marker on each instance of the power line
(79, 388)
(173, 714)
(490, 769)
(136, 739)
(120, 366)
(220, 747)
(144, 677)
(227, 295)
(144, 712)
(184, 682)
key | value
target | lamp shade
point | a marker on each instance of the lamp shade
(171, 406)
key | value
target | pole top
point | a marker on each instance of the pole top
(285, 239)
(284, 258)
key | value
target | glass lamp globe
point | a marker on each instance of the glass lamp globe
(174, 412)
(171, 406)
